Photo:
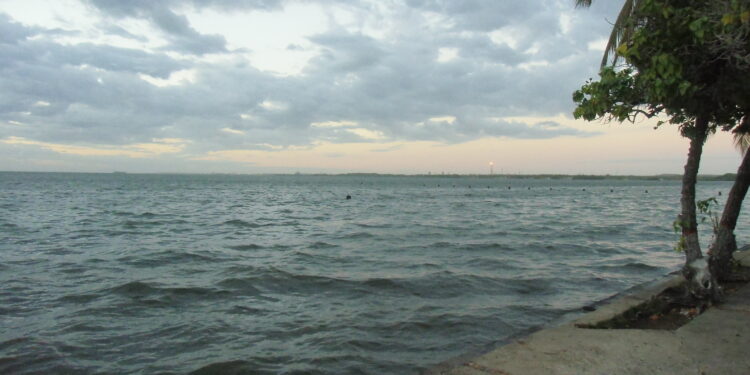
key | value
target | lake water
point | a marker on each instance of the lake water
(172, 274)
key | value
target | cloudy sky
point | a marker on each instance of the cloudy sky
(268, 86)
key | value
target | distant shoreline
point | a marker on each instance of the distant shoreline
(658, 177)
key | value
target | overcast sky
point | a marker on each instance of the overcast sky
(267, 86)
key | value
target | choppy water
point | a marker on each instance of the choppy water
(144, 274)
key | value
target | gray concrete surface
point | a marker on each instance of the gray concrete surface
(716, 342)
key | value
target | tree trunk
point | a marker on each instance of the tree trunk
(724, 245)
(687, 219)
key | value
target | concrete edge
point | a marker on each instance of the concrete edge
(606, 309)
(627, 300)
(742, 256)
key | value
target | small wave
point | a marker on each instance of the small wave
(237, 367)
(357, 235)
(34, 356)
(247, 247)
(630, 267)
(490, 246)
(132, 224)
(167, 257)
(79, 298)
(166, 296)
(245, 310)
(244, 285)
(442, 245)
(243, 224)
(322, 245)
(504, 264)
(534, 286)
(424, 266)
(371, 225)
(381, 283)
(134, 288)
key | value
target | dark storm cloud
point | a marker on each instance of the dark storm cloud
(393, 86)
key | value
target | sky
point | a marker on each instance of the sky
(316, 86)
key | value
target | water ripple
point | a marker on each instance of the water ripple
(220, 274)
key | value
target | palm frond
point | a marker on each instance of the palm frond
(742, 135)
(622, 31)
(583, 3)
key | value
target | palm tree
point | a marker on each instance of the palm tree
(622, 30)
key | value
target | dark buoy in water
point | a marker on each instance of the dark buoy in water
(348, 196)
(611, 190)
(529, 188)
(584, 189)
(646, 191)
(719, 193)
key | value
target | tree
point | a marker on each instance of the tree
(731, 20)
(622, 29)
(686, 60)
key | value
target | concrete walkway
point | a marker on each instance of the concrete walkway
(716, 342)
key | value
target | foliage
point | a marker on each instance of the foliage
(706, 208)
(685, 59)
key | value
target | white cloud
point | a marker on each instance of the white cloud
(505, 36)
(448, 119)
(271, 105)
(447, 54)
(333, 124)
(232, 131)
(137, 150)
(597, 45)
(267, 35)
(367, 133)
(177, 78)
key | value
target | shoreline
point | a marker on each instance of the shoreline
(568, 346)
(728, 177)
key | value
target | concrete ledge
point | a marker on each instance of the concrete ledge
(631, 298)
(743, 257)
(714, 343)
